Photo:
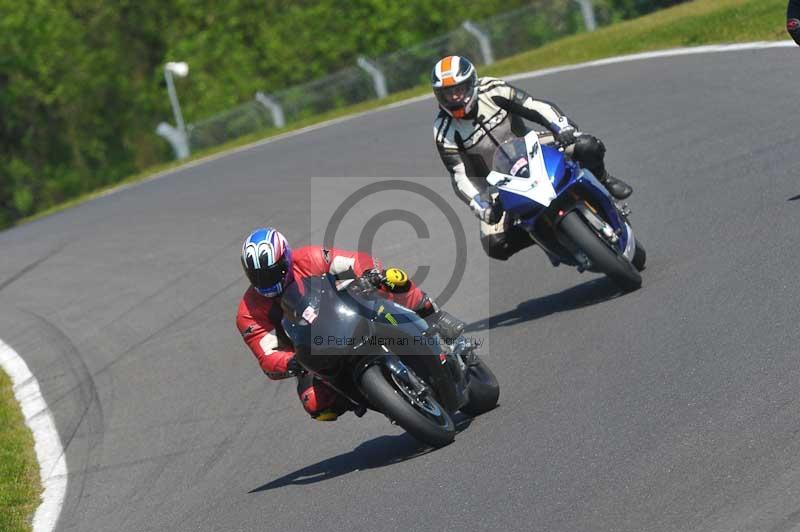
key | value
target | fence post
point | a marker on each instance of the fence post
(176, 137)
(483, 41)
(587, 9)
(274, 107)
(378, 79)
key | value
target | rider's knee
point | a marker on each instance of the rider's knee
(590, 152)
(317, 398)
(502, 246)
(495, 246)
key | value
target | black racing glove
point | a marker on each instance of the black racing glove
(393, 279)
(373, 278)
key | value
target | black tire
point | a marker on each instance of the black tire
(639, 256)
(484, 391)
(382, 395)
(604, 259)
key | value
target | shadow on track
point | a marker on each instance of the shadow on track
(379, 452)
(582, 295)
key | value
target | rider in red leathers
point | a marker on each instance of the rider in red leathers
(271, 265)
(793, 20)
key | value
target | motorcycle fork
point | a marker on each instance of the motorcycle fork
(592, 217)
(396, 367)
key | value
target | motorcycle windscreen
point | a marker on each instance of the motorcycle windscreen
(318, 318)
(385, 310)
(511, 158)
(395, 327)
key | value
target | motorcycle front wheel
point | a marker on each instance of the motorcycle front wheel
(424, 418)
(603, 258)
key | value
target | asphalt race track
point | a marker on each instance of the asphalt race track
(673, 408)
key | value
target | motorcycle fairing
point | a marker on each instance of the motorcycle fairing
(551, 177)
(362, 315)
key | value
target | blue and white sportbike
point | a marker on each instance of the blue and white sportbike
(566, 210)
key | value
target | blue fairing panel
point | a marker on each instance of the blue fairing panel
(518, 205)
(568, 178)
(554, 162)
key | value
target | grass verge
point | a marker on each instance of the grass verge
(19, 472)
(694, 23)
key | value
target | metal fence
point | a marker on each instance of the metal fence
(482, 41)
(241, 120)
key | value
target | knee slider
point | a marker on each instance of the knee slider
(496, 246)
(318, 399)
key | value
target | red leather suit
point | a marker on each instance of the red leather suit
(259, 318)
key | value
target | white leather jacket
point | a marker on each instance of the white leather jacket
(467, 145)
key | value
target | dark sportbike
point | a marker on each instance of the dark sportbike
(382, 356)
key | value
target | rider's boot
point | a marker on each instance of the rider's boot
(449, 326)
(618, 188)
(590, 152)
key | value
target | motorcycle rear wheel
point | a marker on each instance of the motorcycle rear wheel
(433, 425)
(604, 259)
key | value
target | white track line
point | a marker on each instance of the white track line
(49, 452)
(693, 50)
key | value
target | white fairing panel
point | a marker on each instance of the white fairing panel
(537, 187)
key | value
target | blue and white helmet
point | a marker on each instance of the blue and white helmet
(267, 261)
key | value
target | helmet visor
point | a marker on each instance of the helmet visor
(456, 96)
(263, 278)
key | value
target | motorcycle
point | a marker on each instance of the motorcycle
(566, 210)
(381, 356)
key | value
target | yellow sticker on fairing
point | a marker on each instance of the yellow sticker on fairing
(388, 316)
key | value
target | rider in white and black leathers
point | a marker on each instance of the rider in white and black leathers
(478, 114)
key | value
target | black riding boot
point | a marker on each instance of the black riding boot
(618, 188)
(449, 326)
(590, 152)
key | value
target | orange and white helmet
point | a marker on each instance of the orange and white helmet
(455, 84)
